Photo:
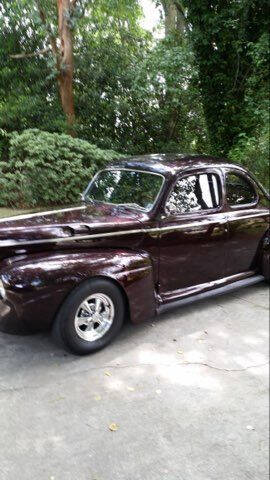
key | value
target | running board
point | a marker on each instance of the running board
(211, 293)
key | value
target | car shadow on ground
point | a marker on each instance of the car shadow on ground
(179, 323)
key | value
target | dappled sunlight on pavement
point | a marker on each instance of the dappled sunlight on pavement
(186, 396)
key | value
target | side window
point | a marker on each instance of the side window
(239, 190)
(194, 193)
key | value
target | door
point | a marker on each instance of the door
(248, 220)
(193, 234)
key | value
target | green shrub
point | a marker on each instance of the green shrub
(253, 153)
(4, 144)
(48, 169)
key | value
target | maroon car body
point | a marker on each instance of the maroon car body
(158, 259)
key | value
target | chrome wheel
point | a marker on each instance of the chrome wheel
(94, 317)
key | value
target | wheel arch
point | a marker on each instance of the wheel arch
(263, 251)
(109, 279)
(265, 256)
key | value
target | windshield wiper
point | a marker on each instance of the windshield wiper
(90, 200)
(131, 205)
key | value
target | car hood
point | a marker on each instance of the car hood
(68, 223)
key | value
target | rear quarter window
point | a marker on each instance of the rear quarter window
(239, 190)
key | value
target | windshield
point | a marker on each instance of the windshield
(125, 187)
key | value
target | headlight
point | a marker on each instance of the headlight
(2, 290)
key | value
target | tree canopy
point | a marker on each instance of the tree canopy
(202, 86)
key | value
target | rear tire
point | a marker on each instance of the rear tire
(265, 266)
(90, 318)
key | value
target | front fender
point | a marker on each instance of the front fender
(36, 285)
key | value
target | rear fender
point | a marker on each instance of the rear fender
(265, 261)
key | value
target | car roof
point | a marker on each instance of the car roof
(169, 164)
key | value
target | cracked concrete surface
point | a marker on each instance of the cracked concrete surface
(188, 393)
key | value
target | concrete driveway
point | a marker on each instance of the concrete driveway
(188, 394)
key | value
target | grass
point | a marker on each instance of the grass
(9, 212)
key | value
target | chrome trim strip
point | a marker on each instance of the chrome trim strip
(14, 243)
(70, 239)
(246, 217)
(8, 243)
(180, 293)
(202, 295)
(40, 214)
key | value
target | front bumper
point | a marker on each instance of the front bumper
(24, 312)
(9, 320)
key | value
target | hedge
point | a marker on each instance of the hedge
(46, 169)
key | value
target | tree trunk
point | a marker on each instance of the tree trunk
(181, 24)
(170, 12)
(171, 19)
(66, 64)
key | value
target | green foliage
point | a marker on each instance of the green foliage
(223, 35)
(4, 144)
(203, 88)
(132, 93)
(112, 46)
(253, 153)
(166, 86)
(48, 169)
(252, 150)
(28, 96)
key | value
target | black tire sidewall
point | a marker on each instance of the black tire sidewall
(65, 325)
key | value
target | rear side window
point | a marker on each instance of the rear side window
(194, 193)
(239, 190)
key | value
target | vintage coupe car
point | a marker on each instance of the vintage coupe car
(152, 232)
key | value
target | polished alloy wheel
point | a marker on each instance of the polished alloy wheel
(94, 317)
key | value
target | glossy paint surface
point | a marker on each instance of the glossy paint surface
(153, 258)
(36, 285)
(212, 245)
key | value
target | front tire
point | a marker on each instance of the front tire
(91, 317)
